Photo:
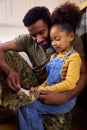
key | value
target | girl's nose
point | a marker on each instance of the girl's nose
(54, 43)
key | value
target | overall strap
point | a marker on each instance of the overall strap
(65, 56)
(69, 53)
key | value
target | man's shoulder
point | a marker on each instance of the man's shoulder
(78, 45)
(23, 38)
(76, 40)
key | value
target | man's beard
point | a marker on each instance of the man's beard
(46, 44)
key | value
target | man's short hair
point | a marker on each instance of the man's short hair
(35, 14)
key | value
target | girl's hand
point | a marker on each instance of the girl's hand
(33, 89)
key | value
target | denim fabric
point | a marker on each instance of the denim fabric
(54, 69)
(31, 115)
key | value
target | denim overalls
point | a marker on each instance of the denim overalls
(54, 69)
(33, 112)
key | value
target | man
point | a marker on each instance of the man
(38, 48)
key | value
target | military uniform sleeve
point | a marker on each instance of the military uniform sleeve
(23, 41)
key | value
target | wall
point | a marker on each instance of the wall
(13, 11)
(7, 31)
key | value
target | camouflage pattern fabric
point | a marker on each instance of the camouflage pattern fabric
(58, 122)
(12, 101)
(15, 101)
(27, 76)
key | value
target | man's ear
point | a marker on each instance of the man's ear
(72, 36)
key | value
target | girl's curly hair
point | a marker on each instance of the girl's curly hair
(67, 13)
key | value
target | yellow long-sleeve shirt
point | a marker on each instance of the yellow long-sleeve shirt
(70, 74)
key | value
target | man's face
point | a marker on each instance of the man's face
(40, 33)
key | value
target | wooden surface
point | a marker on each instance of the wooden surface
(8, 126)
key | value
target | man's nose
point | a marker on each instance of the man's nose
(39, 39)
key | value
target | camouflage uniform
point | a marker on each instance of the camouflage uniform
(14, 101)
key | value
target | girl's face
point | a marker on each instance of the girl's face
(60, 38)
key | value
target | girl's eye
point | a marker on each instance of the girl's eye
(57, 39)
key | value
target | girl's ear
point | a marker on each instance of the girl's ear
(72, 36)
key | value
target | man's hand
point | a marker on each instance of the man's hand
(52, 98)
(13, 81)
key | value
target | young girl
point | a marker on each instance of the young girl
(63, 69)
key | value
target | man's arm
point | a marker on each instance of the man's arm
(12, 77)
(61, 98)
